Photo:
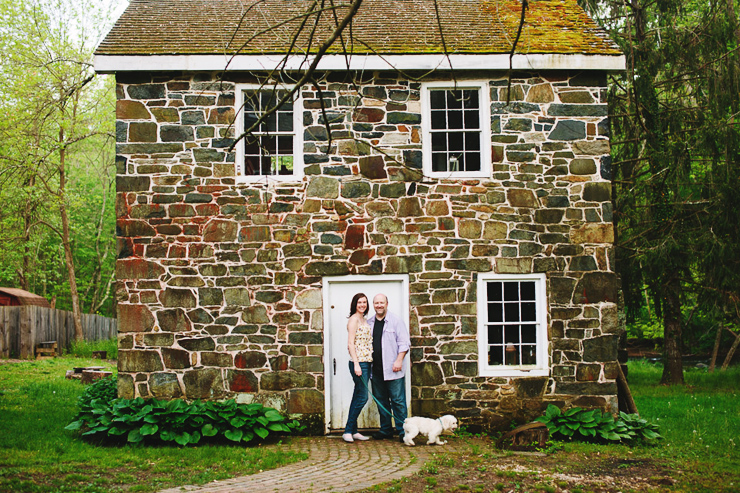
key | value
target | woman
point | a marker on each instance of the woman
(360, 345)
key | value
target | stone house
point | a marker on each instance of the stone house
(408, 164)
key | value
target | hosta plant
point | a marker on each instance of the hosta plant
(150, 420)
(105, 389)
(594, 425)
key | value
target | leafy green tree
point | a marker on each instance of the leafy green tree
(56, 151)
(675, 150)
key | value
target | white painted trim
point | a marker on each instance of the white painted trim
(542, 368)
(485, 125)
(191, 63)
(403, 312)
(297, 138)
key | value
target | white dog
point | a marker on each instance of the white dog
(432, 428)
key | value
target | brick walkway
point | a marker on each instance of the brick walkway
(332, 465)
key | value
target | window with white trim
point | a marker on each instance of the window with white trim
(272, 149)
(456, 128)
(512, 325)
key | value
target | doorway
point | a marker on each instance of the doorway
(338, 293)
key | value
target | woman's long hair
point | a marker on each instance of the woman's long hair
(353, 305)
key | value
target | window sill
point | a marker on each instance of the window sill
(456, 175)
(268, 180)
(513, 372)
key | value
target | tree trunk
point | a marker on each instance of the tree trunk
(672, 342)
(732, 350)
(715, 351)
(68, 259)
(28, 212)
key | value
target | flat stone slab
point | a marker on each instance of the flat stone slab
(80, 369)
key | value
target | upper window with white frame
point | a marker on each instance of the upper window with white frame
(512, 325)
(272, 149)
(456, 128)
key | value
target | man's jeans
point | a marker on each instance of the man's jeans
(359, 397)
(392, 395)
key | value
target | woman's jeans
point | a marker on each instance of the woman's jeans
(359, 397)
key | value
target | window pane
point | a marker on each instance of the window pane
(250, 119)
(494, 291)
(456, 141)
(472, 141)
(269, 124)
(439, 120)
(529, 334)
(439, 142)
(439, 162)
(250, 102)
(284, 165)
(437, 99)
(251, 165)
(472, 161)
(454, 99)
(285, 144)
(511, 354)
(511, 291)
(471, 99)
(454, 119)
(529, 355)
(529, 312)
(472, 119)
(495, 334)
(269, 144)
(511, 311)
(511, 334)
(268, 99)
(285, 121)
(496, 355)
(527, 290)
(265, 165)
(495, 312)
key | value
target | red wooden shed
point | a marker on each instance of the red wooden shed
(16, 297)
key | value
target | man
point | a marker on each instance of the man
(391, 342)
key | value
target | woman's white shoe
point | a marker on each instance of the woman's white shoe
(347, 437)
(358, 436)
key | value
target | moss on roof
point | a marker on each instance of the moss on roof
(209, 27)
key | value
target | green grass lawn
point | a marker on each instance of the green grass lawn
(38, 455)
(700, 423)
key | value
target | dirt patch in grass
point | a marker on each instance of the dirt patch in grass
(559, 472)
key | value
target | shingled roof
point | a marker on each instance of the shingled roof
(380, 28)
(17, 296)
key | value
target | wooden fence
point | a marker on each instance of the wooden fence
(22, 327)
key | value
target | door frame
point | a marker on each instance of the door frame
(401, 311)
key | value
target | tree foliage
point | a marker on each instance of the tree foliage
(56, 154)
(676, 158)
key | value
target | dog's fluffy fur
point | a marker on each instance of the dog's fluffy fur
(432, 428)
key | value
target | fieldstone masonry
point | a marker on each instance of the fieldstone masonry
(219, 282)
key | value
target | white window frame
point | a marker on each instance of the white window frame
(485, 127)
(541, 368)
(297, 135)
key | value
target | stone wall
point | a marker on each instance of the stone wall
(219, 283)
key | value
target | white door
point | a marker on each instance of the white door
(338, 293)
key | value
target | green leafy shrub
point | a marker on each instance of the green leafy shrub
(105, 389)
(595, 425)
(151, 421)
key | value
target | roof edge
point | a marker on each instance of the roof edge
(107, 64)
